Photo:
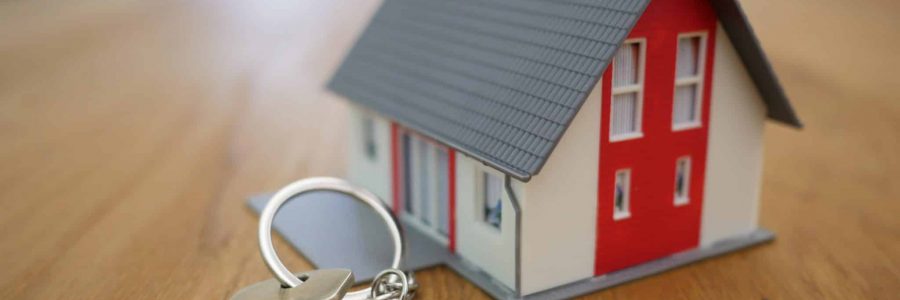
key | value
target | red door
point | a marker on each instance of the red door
(659, 170)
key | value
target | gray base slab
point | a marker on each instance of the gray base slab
(333, 231)
(654, 267)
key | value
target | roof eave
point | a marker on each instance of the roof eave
(471, 153)
(748, 47)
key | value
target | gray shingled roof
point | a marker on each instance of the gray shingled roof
(497, 79)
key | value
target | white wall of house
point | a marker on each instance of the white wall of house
(483, 246)
(734, 163)
(477, 242)
(372, 173)
(560, 207)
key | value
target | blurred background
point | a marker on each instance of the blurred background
(132, 131)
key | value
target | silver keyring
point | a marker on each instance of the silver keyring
(320, 184)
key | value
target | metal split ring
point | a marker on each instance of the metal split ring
(392, 284)
(267, 250)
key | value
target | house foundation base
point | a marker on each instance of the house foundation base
(332, 231)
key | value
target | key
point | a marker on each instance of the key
(331, 284)
(328, 284)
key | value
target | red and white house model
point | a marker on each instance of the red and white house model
(662, 156)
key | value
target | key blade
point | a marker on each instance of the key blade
(329, 284)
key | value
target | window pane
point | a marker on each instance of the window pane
(682, 179)
(679, 179)
(407, 173)
(625, 66)
(369, 137)
(443, 191)
(620, 194)
(688, 60)
(493, 190)
(620, 197)
(685, 110)
(424, 181)
(624, 113)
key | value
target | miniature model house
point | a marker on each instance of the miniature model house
(549, 142)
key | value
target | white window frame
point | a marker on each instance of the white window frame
(681, 200)
(698, 80)
(480, 198)
(624, 214)
(639, 88)
(414, 218)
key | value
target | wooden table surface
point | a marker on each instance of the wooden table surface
(131, 133)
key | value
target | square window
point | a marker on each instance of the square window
(491, 196)
(627, 91)
(622, 195)
(682, 180)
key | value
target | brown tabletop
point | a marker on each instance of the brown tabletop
(131, 133)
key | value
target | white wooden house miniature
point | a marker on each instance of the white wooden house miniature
(546, 143)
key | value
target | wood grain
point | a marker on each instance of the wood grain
(130, 134)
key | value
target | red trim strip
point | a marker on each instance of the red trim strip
(452, 187)
(395, 168)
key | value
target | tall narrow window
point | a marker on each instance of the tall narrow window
(622, 195)
(425, 191)
(491, 193)
(627, 91)
(368, 128)
(682, 180)
(688, 81)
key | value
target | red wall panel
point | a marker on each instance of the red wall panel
(657, 227)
